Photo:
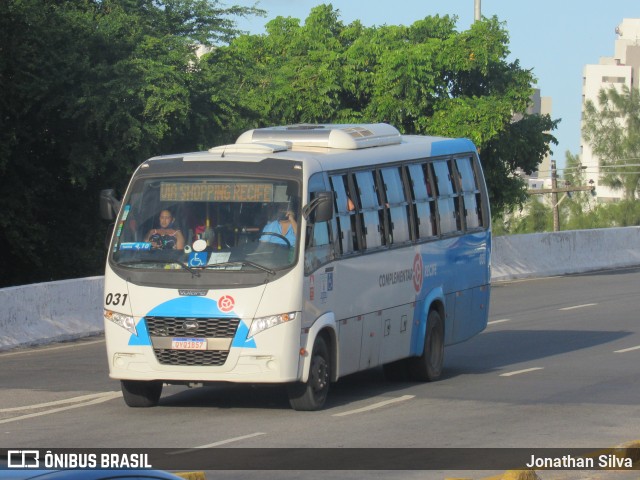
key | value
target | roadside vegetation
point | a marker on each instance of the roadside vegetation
(612, 128)
(538, 217)
(90, 88)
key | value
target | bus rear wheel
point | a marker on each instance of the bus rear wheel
(141, 394)
(312, 395)
(428, 366)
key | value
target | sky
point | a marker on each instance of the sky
(553, 38)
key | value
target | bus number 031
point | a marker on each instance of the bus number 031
(116, 299)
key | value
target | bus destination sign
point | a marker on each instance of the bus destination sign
(216, 192)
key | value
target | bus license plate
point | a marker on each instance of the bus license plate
(182, 343)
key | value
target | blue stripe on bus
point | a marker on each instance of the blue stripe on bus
(420, 315)
(194, 307)
(466, 250)
(142, 339)
(452, 146)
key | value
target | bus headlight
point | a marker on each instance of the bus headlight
(260, 324)
(125, 321)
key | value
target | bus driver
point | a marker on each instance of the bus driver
(284, 225)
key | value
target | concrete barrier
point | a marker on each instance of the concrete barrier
(48, 312)
(561, 253)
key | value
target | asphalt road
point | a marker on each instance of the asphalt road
(558, 366)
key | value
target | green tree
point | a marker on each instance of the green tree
(579, 205)
(578, 211)
(426, 78)
(539, 218)
(612, 128)
(520, 146)
(623, 214)
(88, 89)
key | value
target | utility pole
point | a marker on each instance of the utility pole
(554, 196)
(554, 190)
(477, 11)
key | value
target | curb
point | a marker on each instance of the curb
(508, 475)
(191, 475)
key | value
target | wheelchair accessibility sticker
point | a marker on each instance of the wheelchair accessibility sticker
(197, 259)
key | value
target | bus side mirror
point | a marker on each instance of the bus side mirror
(320, 208)
(109, 204)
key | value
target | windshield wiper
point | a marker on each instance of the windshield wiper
(193, 272)
(242, 263)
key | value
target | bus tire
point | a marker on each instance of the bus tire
(141, 394)
(312, 395)
(428, 366)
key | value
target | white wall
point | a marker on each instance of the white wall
(47, 312)
(559, 253)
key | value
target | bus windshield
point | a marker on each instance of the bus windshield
(209, 223)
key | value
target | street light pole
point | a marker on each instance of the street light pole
(477, 11)
(554, 196)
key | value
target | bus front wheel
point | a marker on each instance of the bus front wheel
(311, 395)
(141, 394)
(428, 366)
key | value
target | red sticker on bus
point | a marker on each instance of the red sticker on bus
(226, 303)
(417, 272)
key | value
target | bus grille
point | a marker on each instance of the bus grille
(191, 357)
(207, 327)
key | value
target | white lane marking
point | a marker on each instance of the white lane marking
(624, 350)
(216, 444)
(493, 322)
(578, 306)
(105, 398)
(518, 372)
(523, 280)
(374, 406)
(81, 398)
(48, 349)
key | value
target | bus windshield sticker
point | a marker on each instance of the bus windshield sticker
(219, 257)
(197, 259)
(135, 246)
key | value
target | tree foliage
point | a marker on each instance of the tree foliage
(612, 128)
(538, 217)
(426, 78)
(579, 211)
(89, 88)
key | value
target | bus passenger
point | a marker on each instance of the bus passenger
(166, 237)
(284, 225)
(350, 205)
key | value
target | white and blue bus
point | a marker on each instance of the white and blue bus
(298, 255)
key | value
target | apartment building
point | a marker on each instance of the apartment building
(621, 69)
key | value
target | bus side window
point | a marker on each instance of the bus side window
(318, 248)
(368, 199)
(396, 205)
(470, 192)
(423, 203)
(345, 215)
(457, 195)
(447, 209)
